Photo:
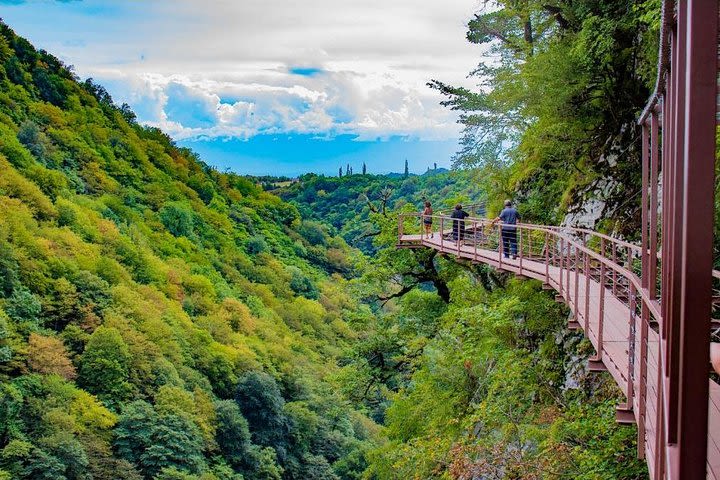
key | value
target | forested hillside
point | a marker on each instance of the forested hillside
(157, 319)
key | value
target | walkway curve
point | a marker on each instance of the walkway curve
(596, 277)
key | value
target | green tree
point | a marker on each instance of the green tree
(174, 442)
(153, 442)
(104, 367)
(6, 351)
(302, 285)
(178, 220)
(134, 430)
(557, 103)
(26, 461)
(261, 403)
(23, 306)
(9, 278)
(265, 466)
(317, 468)
(233, 433)
(70, 452)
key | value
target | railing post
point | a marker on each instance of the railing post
(691, 348)
(567, 273)
(519, 247)
(642, 400)
(630, 393)
(547, 258)
(460, 233)
(577, 282)
(422, 227)
(560, 261)
(601, 312)
(614, 272)
(501, 246)
(587, 294)
(442, 233)
(653, 204)
(475, 238)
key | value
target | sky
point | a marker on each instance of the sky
(268, 86)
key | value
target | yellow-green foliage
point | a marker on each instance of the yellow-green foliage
(140, 274)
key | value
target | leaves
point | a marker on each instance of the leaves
(48, 355)
(557, 100)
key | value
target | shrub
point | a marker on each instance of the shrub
(255, 245)
(178, 220)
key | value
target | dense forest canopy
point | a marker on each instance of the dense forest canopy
(162, 320)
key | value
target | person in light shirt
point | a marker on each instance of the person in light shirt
(509, 218)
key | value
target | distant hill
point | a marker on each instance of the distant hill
(436, 171)
(347, 202)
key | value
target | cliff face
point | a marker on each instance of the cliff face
(610, 200)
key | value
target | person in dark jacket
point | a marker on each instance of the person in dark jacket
(509, 218)
(459, 223)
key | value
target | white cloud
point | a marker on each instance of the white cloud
(223, 68)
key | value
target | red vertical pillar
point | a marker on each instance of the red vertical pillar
(653, 206)
(644, 212)
(672, 325)
(698, 173)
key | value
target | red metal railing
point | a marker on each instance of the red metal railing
(657, 298)
(678, 150)
(600, 279)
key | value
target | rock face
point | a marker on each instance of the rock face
(593, 208)
(613, 193)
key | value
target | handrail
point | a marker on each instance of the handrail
(623, 270)
(568, 244)
(610, 268)
(636, 249)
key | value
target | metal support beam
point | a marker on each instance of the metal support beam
(693, 344)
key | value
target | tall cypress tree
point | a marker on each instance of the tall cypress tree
(407, 170)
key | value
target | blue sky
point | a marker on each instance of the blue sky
(269, 86)
(296, 154)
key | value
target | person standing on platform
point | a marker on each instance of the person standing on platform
(508, 232)
(459, 223)
(427, 219)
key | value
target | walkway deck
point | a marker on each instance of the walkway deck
(606, 316)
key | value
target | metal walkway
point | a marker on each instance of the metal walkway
(646, 308)
(595, 275)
